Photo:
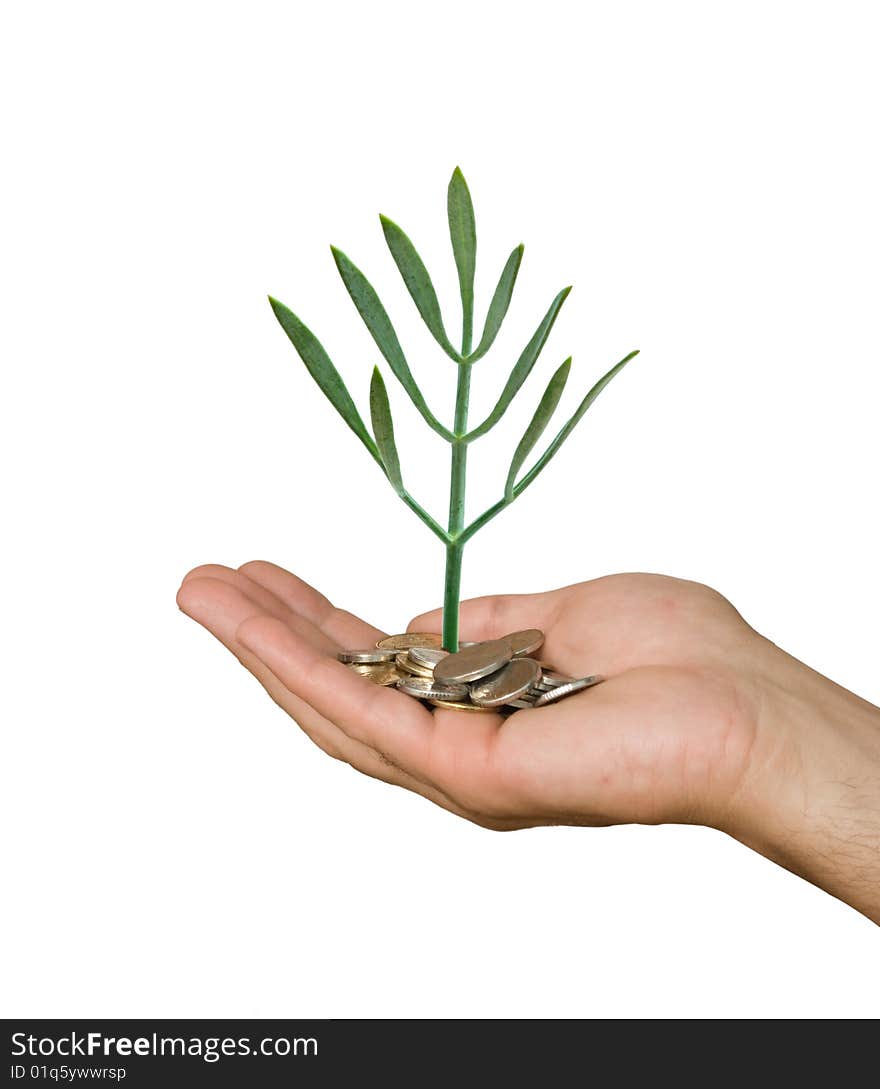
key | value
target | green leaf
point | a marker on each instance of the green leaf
(318, 364)
(383, 429)
(463, 232)
(418, 283)
(523, 367)
(545, 409)
(376, 319)
(499, 305)
(572, 423)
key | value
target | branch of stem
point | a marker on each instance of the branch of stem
(416, 508)
(465, 535)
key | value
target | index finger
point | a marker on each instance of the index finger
(343, 627)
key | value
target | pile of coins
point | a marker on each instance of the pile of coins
(494, 675)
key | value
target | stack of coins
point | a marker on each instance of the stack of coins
(493, 675)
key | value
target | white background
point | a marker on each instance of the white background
(706, 176)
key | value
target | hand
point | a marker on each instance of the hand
(698, 721)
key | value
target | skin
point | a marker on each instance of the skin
(701, 720)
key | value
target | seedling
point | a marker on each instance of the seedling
(381, 445)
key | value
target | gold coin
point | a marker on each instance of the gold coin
(453, 705)
(406, 665)
(411, 639)
(384, 674)
(366, 657)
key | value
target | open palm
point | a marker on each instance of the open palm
(667, 737)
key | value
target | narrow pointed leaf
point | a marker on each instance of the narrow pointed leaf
(499, 305)
(546, 408)
(378, 323)
(418, 283)
(523, 367)
(318, 364)
(463, 233)
(572, 423)
(383, 429)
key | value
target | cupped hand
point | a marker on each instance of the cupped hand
(673, 733)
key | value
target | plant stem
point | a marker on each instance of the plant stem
(457, 479)
(451, 596)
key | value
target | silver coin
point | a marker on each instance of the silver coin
(426, 656)
(424, 688)
(371, 656)
(525, 642)
(552, 679)
(567, 689)
(406, 665)
(506, 684)
(472, 663)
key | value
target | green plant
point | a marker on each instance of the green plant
(381, 444)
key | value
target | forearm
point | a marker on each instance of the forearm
(812, 800)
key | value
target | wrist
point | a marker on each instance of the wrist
(810, 799)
